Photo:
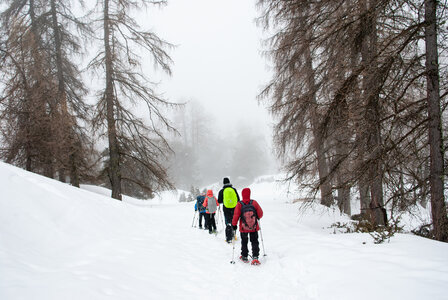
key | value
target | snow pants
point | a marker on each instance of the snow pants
(229, 233)
(228, 214)
(202, 215)
(253, 240)
(210, 221)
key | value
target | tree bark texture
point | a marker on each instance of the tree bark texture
(114, 155)
(61, 101)
(372, 116)
(438, 206)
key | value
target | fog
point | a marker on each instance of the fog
(218, 71)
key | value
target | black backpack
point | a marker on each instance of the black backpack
(249, 216)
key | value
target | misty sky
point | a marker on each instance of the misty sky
(217, 60)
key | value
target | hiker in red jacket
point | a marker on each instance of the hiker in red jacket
(248, 212)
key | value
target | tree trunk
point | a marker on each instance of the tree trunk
(438, 207)
(322, 165)
(46, 155)
(364, 195)
(342, 138)
(373, 130)
(363, 186)
(74, 173)
(114, 155)
(68, 138)
(341, 157)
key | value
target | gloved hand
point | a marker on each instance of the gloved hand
(234, 227)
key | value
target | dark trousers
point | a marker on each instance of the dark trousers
(229, 233)
(253, 240)
(202, 215)
(210, 221)
(228, 214)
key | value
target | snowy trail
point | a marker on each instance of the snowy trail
(269, 279)
(59, 242)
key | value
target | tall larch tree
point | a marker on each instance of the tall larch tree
(129, 138)
(28, 86)
(368, 77)
(294, 91)
(70, 103)
(42, 40)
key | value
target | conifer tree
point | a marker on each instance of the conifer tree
(44, 105)
(129, 138)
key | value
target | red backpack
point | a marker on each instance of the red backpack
(249, 216)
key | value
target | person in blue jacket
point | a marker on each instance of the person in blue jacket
(199, 201)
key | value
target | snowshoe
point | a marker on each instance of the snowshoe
(244, 259)
(255, 261)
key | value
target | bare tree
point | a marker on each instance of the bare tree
(129, 138)
(39, 46)
(368, 74)
(294, 90)
(69, 100)
(26, 110)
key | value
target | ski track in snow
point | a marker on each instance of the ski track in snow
(59, 242)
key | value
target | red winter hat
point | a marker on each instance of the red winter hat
(209, 193)
(246, 194)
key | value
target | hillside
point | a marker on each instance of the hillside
(60, 242)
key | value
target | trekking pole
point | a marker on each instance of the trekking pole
(262, 242)
(233, 251)
(222, 219)
(194, 217)
(217, 215)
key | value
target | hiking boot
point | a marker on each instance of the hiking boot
(200, 227)
(244, 259)
(210, 232)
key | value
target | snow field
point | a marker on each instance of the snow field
(59, 242)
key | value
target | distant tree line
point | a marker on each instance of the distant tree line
(48, 125)
(203, 156)
(359, 90)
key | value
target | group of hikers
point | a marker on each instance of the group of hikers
(246, 212)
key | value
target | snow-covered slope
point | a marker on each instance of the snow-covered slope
(60, 242)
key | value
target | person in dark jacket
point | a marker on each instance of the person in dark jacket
(248, 212)
(199, 205)
(228, 196)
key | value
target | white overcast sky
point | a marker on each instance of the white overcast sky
(217, 60)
